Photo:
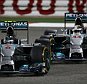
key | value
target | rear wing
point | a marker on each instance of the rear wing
(14, 24)
(17, 25)
(70, 17)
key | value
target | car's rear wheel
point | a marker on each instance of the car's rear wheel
(49, 32)
(48, 43)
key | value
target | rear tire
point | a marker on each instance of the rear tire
(49, 32)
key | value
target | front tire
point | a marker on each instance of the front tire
(40, 54)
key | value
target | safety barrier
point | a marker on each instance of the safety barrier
(41, 7)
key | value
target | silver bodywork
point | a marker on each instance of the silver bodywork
(10, 43)
(77, 35)
(7, 52)
(76, 40)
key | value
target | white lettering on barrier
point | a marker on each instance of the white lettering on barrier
(75, 15)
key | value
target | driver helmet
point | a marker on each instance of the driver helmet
(78, 21)
(10, 31)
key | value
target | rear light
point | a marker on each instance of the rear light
(79, 36)
(7, 46)
(76, 36)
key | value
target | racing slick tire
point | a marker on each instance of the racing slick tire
(44, 41)
(45, 36)
(48, 43)
(40, 54)
(49, 32)
(51, 38)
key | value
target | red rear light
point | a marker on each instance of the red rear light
(76, 36)
(79, 37)
(7, 46)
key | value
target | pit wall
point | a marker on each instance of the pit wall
(41, 7)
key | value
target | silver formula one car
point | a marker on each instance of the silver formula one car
(18, 57)
(72, 44)
(77, 41)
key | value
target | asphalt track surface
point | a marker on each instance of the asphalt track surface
(71, 73)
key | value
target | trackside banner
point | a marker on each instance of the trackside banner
(41, 7)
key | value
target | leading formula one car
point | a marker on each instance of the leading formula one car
(19, 57)
(72, 44)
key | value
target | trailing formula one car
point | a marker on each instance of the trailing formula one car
(17, 57)
(77, 38)
(72, 44)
